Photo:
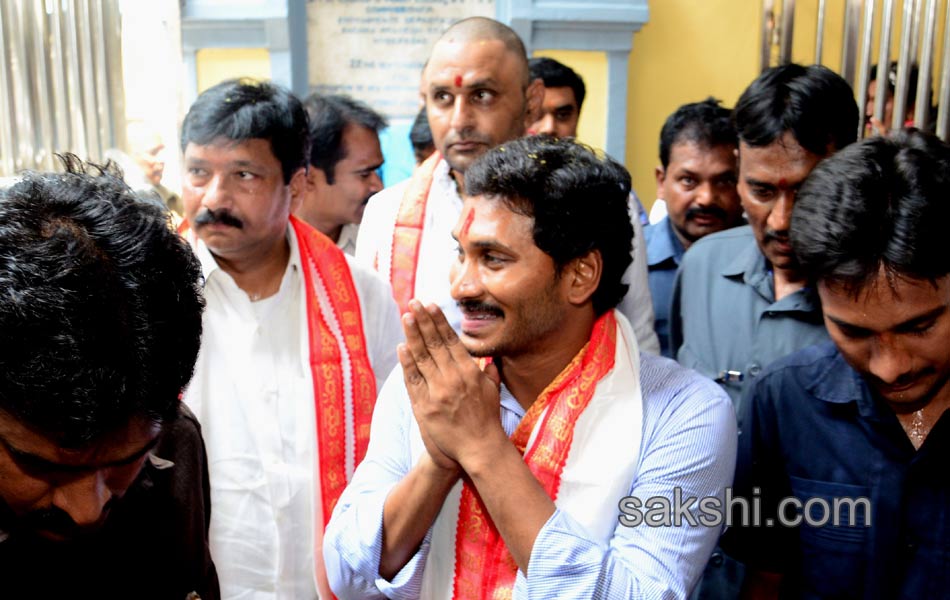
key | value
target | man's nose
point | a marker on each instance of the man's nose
(545, 125)
(83, 497)
(464, 279)
(890, 361)
(216, 194)
(461, 114)
(781, 216)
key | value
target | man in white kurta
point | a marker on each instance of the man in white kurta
(253, 389)
(473, 102)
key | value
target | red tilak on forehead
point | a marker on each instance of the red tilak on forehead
(468, 221)
(458, 81)
(782, 182)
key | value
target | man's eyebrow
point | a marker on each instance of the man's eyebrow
(756, 182)
(38, 462)
(927, 316)
(909, 323)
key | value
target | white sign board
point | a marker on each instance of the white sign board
(374, 50)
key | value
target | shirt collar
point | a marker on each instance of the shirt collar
(749, 262)
(662, 243)
(837, 383)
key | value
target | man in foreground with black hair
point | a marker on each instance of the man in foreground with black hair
(858, 430)
(103, 477)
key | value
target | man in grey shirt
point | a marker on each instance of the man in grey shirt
(738, 302)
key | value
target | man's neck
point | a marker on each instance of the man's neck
(459, 180)
(331, 230)
(918, 421)
(527, 375)
(259, 276)
(785, 282)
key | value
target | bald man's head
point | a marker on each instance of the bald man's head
(480, 29)
(477, 90)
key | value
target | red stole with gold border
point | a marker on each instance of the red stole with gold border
(407, 235)
(484, 569)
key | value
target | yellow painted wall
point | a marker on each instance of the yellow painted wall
(214, 65)
(688, 51)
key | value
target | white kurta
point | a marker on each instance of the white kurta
(253, 394)
(437, 250)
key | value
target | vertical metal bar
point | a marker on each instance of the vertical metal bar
(883, 60)
(903, 68)
(22, 108)
(7, 164)
(922, 107)
(58, 67)
(915, 30)
(43, 141)
(77, 119)
(112, 20)
(89, 99)
(867, 36)
(849, 47)
(820, 32)
(943, 115)
(100, 74)
(788, 31)
(768, 30)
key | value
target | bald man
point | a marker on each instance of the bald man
(478, 94)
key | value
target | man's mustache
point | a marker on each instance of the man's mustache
(218, 217)
(56, 521)
(706, 211)
(474, 306)
(778, 236)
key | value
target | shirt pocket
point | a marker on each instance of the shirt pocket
(833, 537)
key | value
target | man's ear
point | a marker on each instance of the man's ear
(660, 179)
(582, 277)
(534, 100)
(298, 187)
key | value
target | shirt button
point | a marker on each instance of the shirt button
(716, 559)
(755, 369)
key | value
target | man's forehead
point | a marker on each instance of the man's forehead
(462, 62)
(258, 148)
(117, 445)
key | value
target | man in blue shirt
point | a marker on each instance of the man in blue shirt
(697, 180)
(864, 417)
(739, 302)
(513, 479)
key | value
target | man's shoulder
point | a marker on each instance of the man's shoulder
(721, 245)
(802, 367)
(667, 385)
(707, 258)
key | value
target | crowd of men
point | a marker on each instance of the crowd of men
(489, 381)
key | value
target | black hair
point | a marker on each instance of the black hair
(813, 103)
(706, 123)
(578, 200)
(329, 116)
(878, 203)
(100, 305)
(555, 74)
(420, 136)
(238, 110)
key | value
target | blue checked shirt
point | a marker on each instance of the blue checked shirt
(689, 442)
